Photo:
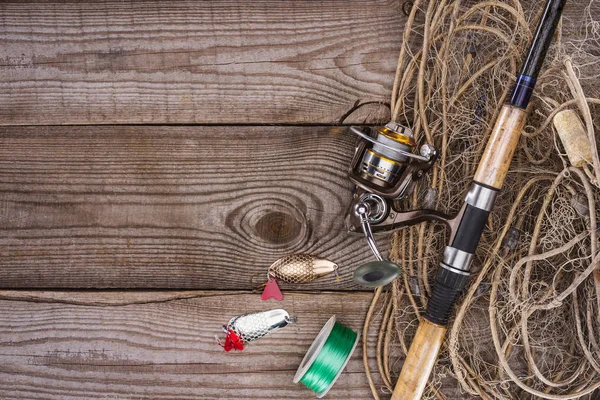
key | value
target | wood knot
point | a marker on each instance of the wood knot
(278, 227)
(273, 224)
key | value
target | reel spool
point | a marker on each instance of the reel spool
(387, 164)
(384, 168)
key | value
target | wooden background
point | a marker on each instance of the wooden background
(155, 157)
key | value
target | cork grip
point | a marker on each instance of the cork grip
(419, 361)
(501, 147)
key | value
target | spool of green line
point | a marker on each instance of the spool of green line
(327, 357)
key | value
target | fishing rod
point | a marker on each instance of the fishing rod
(453, 272)
(385, 166)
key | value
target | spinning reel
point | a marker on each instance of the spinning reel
(384, 169)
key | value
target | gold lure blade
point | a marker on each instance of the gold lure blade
(301, 268)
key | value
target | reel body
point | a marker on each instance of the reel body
(387, 164)
(384, 168)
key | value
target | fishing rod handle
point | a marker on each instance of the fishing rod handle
(420, 361)
(453, 273)
(501, 146)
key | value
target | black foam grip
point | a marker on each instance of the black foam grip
(470, 229)
(448, 286)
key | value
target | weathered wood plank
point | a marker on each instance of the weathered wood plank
(172, 207)
(224, 61)
(164, 350)
(80, 346)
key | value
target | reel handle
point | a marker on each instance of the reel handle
(362, 211)
(374, 273)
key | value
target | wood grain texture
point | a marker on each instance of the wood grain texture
(172, 207)
(225, 61)
(78, 345)
(165, 350)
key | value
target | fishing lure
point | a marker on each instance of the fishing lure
(249, 327)
(296, 268)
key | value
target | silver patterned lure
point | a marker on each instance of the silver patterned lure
(246, 328)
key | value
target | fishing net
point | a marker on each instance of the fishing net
(527, 326)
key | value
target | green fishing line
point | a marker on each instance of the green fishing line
(332, 358)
